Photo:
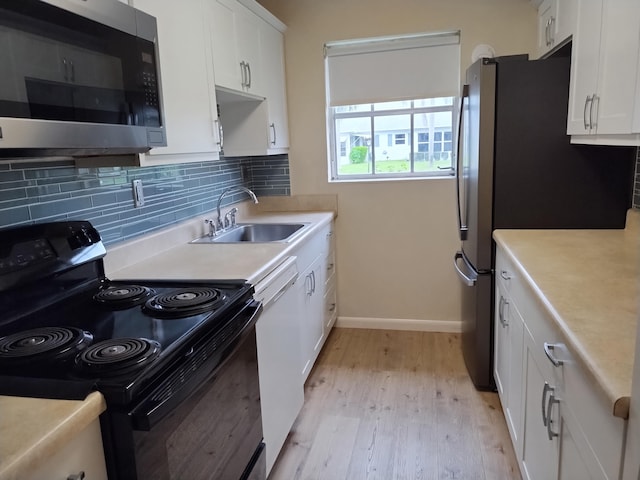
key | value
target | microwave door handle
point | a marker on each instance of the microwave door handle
(463, 229)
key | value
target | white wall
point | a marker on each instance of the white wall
(395, 240)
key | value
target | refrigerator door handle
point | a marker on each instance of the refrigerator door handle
(463, 229)
(469, 281)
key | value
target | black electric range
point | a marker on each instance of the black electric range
(67, 330)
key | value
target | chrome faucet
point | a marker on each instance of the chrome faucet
(220, 223)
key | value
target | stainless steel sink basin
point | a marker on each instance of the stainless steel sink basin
(256, 233)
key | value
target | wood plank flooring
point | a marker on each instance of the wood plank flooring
(394, 405)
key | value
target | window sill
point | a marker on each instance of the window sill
(391, 179)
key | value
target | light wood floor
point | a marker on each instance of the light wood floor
(390, 405)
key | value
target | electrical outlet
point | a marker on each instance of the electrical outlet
(138, 193)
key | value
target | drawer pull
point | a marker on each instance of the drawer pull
(76, 476)
(505, 275)
(548, 351)
(332, 308)
(330, 266)
(552, 400)
(547, 388)
(501, 317)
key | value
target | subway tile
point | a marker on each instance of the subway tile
(103, 195)
(66, 206)
(14, 216)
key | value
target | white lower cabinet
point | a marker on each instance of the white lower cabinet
(83, 453)
(561, 426)
(316, 295)
(508, 361)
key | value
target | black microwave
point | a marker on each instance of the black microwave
(79, 77)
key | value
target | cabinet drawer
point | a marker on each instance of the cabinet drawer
(330, 308)
(506, 274)
(330, 272)
(316, 245)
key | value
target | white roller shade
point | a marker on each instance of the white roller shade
(392, 68)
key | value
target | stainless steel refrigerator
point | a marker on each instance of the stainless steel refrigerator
(516, 168)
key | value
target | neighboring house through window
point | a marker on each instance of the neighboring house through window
(372, 134)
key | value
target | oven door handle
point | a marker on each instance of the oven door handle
(158, 404)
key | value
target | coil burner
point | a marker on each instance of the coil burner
(184, 302)
(123, 296)
(42, 345)
(117, 356)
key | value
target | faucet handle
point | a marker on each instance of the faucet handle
(230, 218)
(212, 226)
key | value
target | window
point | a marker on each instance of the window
(386, 125)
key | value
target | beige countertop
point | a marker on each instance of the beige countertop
(216, 261)
(587, 282)
(33, 429)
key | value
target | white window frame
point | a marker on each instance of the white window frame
(413, 53)
(334, 116)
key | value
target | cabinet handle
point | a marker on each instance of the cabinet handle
(505, 275)
(307, 285)
(552, 400)
(76, 476)
(546, 33)
(332, 308)
(243, 74)
(273, 127)
(552, 38)
(593, 119)
(547, 388)
(548, 351)
(501, 305)
(330, 267)
(66, 70)
(73, 71)
(220, 134)
(313, 280)
(248, 75)
(587, 120)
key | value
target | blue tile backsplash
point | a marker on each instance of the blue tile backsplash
(37, 191)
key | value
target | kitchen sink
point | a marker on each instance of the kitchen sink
(256, 233)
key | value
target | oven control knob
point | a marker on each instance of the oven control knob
(76, 476)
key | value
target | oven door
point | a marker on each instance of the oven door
(208, 426)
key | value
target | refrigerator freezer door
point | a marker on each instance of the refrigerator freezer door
(476, 163)
(477, 324)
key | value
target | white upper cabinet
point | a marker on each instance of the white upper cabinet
(248, 58)
(273, 67)
(237, 48)
(188, 90)
(603, 99)
(556, 23)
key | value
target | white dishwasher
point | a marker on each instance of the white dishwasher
(278, 338)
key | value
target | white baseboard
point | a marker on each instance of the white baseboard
(399, 324)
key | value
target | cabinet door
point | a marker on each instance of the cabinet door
(584, 67)
(83, 453)
(250, 51)
(227, 69)
(618, 67)
(273, 73)
(547, 25)
(540, 454)
(311, 292)
(189, 102)
(572, 464)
